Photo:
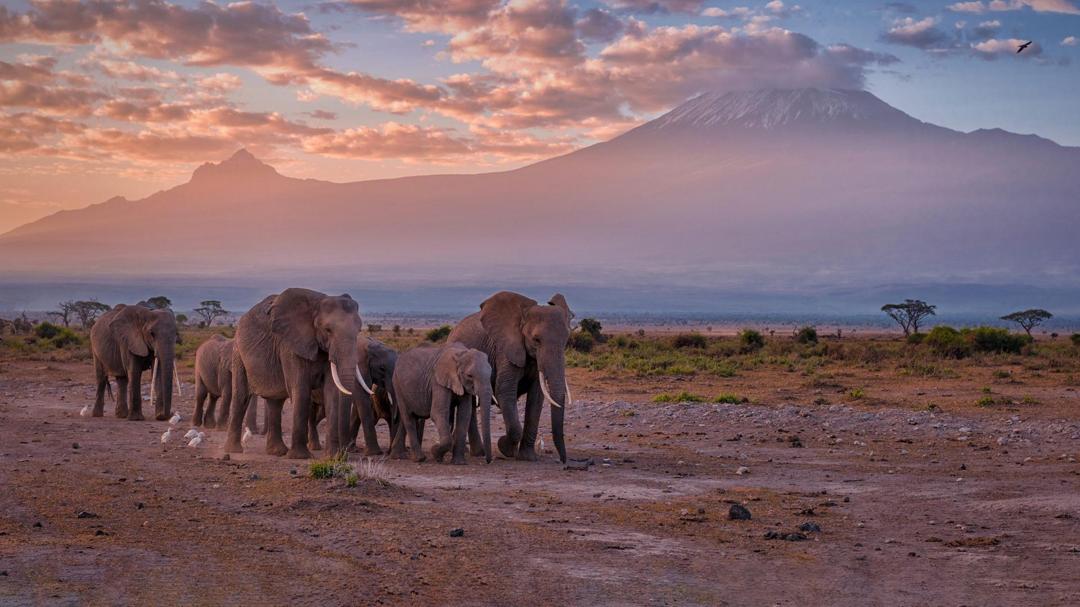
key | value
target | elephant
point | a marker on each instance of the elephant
(443, 383)
(213, 380)
(376, 361)
(525, 343)
(124, 342)
(290, 346)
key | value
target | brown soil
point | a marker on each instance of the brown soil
(966, 506)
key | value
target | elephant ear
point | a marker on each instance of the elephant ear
(125, 326)
(292, 320)
(502, 316)
(446, 372)
(559, 301)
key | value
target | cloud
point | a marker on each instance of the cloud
(1041, 6)
(599, 25)
(993, 48)
(923, 33)
(657, 6)
(852, 55)
(986, 29)
(446, 16)
(1069, 41)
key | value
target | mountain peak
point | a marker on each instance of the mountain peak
(777, 108)
(241, 165)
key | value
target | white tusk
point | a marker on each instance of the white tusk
(337, 380)
(153, 380)
(569, 399)
(176, 376)
(391, 398)
(547, 395)
(476, 399)
(363, 384)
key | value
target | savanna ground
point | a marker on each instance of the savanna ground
(927, 481)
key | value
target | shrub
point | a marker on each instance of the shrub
(592, 327)
(856, 393)
(993, 339)
(439, 334)
(681, 397)
(1075, 338)
(916, 338)
(947, 341)
(806, 335)
(330, 468)
(690, 340)
(582, 342)
(730, 399)
(751, 340)
(46, 330)
(65, 337)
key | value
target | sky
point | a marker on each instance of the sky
(103, 98)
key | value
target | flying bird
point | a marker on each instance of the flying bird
(1023, 46)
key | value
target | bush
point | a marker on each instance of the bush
(916, 338)
(681, 397)
(1075, 338)
(806, 335)
(437, 335)
(592, 327)
(46, 330)
(947, 341)
(690, 340)
(66, 337)
(730, 399)
(751, 340)
(993, 339)
(582, 342)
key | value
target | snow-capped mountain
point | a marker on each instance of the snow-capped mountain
(774, 189)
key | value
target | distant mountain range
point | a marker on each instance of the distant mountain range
(777, 190)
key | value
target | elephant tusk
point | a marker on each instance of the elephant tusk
(547, 395)
(153, 381)
(496, 401)
(569, 399)
(363, 384)
(476, 399)
(176, 376)
(337, 380)
(390, 397)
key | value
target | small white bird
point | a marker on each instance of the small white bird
(175, 419)
(195, 442)
(166, 436)
(247, 436)
(191, 433)
(85, 411)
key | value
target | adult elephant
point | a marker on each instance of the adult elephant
(287, 347)
(526, 345)
(124, 342)
(376, 362)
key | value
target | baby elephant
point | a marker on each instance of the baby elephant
(213, 380)
(443, 383)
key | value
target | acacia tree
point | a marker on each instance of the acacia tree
(909, 314)
(1028, 319)
(64, 314)
(88, 311)
(209, 310)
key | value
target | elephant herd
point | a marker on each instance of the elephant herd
(306, 347)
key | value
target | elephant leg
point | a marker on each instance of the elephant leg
(300, 395)
(200, 401)
(534, 404)
(240, 394)
(354, 429)
(506, 388)
(252, 418)
(415, 429)
(102, 384)
(121, 408)
(274, 444)
(210, 418)
(134, 391)
(367, 421)
(461, 429)
(313, 434)
(476, 444)
(226, 406)
(441, 417)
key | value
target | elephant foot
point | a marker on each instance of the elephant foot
(458, 460)
(507, 447)
(419, 457)
(98, 413)
(233, 446)
(161, 416)
(316, 445)
(276, 449)
(476, 450)
(198, 422)
(397, 455)
(135, 416)
(121, 413)
(298, 452)
(528, 454)
(438, 453)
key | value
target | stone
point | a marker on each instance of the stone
(738, 513)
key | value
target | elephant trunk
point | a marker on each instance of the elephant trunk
(554, 386)
(343, 362)
(165, 360)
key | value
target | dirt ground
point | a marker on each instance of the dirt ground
(951, 506)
